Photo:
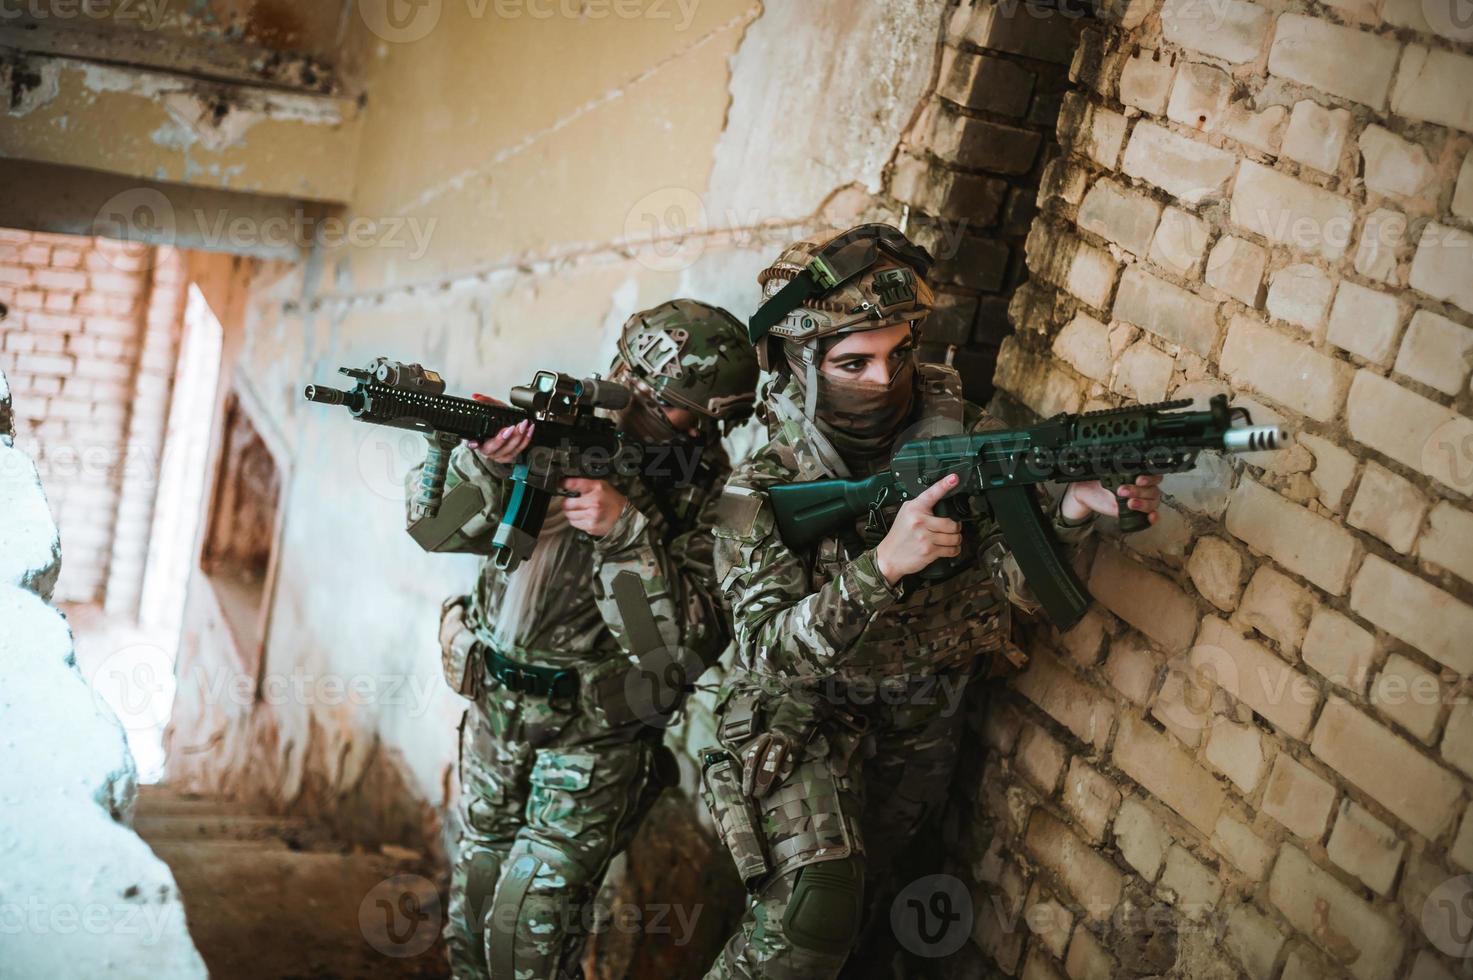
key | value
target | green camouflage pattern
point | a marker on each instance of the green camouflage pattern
(693, 355)
(553, 788)
(825, 626)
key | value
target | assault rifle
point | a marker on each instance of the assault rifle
(997, 469)
(568, 440)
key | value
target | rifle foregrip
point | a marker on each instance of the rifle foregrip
(431, 489)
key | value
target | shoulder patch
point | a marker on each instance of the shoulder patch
(737, 512)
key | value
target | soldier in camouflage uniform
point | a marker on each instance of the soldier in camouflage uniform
(560, 752)
(839, 729)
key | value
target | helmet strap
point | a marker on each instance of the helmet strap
(810, 370)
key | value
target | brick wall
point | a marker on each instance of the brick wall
(89, 349)
(1255, 754)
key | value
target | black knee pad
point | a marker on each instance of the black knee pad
(826, 908)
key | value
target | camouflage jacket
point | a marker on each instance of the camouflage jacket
(572, 618)
(828, 611)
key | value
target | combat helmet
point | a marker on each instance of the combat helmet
(689, 354)
(868, 277)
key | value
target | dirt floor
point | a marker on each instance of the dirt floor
(271, 896)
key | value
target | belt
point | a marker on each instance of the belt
(544, 682)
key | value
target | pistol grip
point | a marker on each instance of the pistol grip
(1130, 520)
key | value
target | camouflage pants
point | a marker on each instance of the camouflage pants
(547, 799)
(877, 789)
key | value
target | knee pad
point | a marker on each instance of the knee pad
(472, 888)
(529, 931)
(826, 908)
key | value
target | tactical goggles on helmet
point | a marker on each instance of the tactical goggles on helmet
(839, 261)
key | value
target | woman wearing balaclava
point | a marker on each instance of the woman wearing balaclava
(840, 727)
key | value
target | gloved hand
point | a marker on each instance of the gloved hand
(772, 756)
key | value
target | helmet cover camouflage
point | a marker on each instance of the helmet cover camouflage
(692, 355)
(889, 290)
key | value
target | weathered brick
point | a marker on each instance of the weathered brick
(1305, 543)
(1462, 204)
(1377, 254)
(1189, 884)
(1233, 31)
(1088, 959)
(1339, 921)
(1183, 704)
(1251, 673)
(1047, 919)
(1278, 607)
(1244, 847)
(1457, 741)
(1145, 80)
(979, 81)
(1432, 85)
(1084, 344)
(1392, 165)
(1168, 311)
(1462, 849)
(1150, 602)
(1316, 135)
(1069, 701)
(1437, 352)
(1141, 838)
(1448, 540)
(1365, 847)
(1259, 357)
(1119, 215)
(1131, 668)
(983, 145)
(1216, 569)
(1414, 611)
(1254, 941)
(1289, 211)
(1166, 772)
(1236, 751)
(1352, 64)
(1015, 29)
(1365, 322)
(1143, 373)
(1387, 506)
(1179, 242)
(1410, 429)
(1386, 766)
(1085, 874)
(1202, 99)
(1090, 798)
(1299, 294)
(1408, 695)
(1182, 167)
(1298, 799)
(1443, 265)
(1236, 267)
(1091, 275)
(1040, 759)
(1036, 381)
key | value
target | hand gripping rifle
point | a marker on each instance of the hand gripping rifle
(568, 440)
(997, 468)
